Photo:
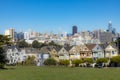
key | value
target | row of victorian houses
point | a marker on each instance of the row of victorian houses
(93, 51)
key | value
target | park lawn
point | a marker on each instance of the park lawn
(59, 73)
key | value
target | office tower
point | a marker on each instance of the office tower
(74, 30)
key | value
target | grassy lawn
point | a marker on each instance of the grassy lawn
(59, 73)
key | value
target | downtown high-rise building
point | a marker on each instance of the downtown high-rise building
(74, 30)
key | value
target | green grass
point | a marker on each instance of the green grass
(59, 73)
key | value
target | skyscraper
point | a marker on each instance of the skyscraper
(74, 30)
(111, 29)
(110, 26)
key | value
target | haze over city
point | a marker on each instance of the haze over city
(58, 15)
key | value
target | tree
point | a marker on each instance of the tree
(3, 58)
(36, 44)
(22, 44)
(52, 43)
(4, 40)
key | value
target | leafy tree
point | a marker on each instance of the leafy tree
(3, 58)
(52, 43)
(36, 44)
(4, 40)
(22, 44)
(43, 44)
(50, 61)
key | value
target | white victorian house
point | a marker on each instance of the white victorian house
(15, 55)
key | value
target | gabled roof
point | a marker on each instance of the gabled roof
(46, 49)
(90, 46)
(57, 48)
(114, 45)
(12, 48)
(68, 47)
(31, 50)
(103, 46)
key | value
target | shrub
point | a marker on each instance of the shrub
(115, 59)
(30, 60)
(50, 61)
(64, 62)
(1, 66)
(77, 62)
(88, 60)
(101, 60)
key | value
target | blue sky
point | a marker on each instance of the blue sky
(58, 15)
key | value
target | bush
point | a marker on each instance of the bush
(50, 61)
(64, 62)
(77, 62)
(2, 66)
(101, 60)
(30, 60)
(115, 59)
(88, 60)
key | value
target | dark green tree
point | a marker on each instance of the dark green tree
(22, 44)
(36, 44)
(52, 43)
(4, 41)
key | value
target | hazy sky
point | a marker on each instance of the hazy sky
(58, 15)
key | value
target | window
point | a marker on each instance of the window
(63, 51)
(88, 54)
(85, 48)
(113, 52)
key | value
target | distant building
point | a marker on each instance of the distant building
(111, 29)
(74, 30)
(20, 36)
(10, 33)
(105, 37)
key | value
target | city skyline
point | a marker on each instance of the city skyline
(58, 15)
